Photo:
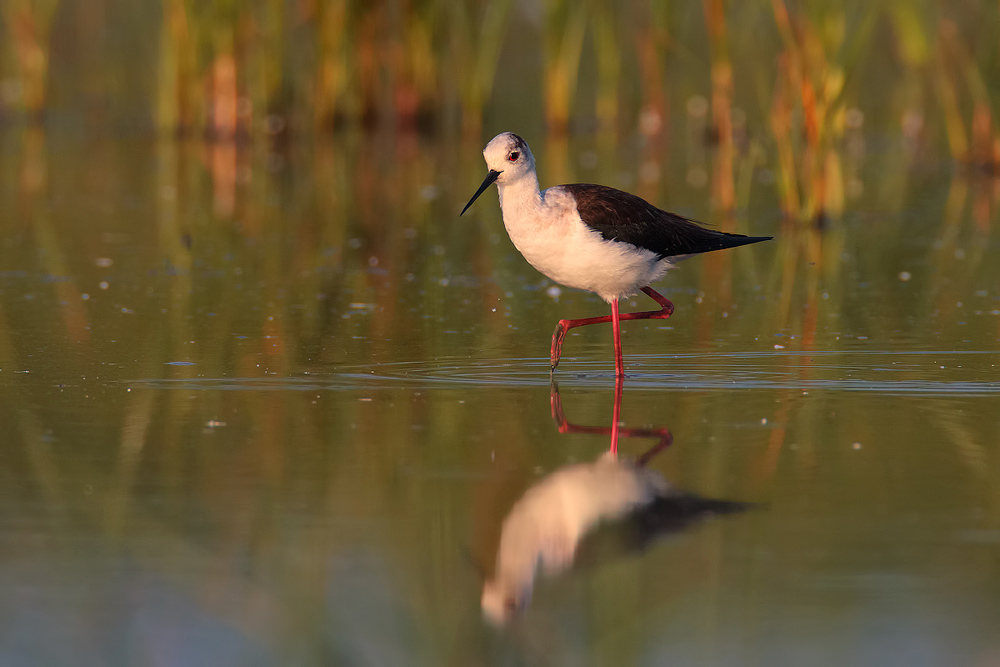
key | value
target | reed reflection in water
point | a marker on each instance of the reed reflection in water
(367, 396)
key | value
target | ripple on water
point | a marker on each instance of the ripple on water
(884, 372)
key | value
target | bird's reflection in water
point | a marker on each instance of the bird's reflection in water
(545, 527)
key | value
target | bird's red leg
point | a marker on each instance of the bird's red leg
(563, 327)
(665, 311)
(616, 329)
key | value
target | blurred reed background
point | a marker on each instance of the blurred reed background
(782, 85)
(202, 196)
(317, 155)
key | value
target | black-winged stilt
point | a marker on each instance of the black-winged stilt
(593, 237)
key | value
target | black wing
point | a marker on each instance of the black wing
(620, 216)
(642, 527)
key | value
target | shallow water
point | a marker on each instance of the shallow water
(270, 407)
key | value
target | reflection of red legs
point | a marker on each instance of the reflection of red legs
(563, 327)
(616, 413)
(663, 434)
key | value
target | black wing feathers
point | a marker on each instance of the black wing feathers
(620, 216)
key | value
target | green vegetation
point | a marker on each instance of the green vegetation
(250, 355)
(787, 81)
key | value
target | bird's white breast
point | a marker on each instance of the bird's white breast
(548, 231)
(545, 526)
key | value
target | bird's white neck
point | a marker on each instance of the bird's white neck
(521, 197)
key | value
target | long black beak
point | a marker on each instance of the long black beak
(490, 179)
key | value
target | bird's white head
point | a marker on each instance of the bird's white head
(509, 160)
(501, 605)
(509, 154)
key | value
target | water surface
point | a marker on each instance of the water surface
(272, 406)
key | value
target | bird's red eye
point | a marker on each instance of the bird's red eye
(513, 156)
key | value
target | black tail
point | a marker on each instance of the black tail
(723, 240)
(670, 514)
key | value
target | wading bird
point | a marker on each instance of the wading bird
(593, 237)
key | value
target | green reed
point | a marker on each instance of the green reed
(352, 203)
(28, 25)
(787, 82)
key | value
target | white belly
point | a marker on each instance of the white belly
(546, 228)
(576, 256)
